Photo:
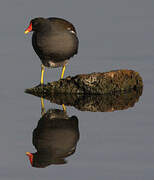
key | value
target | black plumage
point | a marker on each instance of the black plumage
(54, 40)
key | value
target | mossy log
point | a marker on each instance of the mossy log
(94, 83)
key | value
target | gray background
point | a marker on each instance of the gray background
(113, 34)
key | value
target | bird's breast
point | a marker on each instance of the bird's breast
(57, 43)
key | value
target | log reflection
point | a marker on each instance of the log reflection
(99, 103)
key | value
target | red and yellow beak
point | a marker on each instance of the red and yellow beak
(30, 155)
(28, 29)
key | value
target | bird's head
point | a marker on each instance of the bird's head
(38, 24)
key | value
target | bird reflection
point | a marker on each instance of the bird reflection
(54, 138)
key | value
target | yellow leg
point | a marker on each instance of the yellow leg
(42, 106)
(42, 73)
(64, 108)
(62, 74)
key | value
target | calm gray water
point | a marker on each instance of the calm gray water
(113, 34)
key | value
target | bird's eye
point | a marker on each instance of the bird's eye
(35, 23)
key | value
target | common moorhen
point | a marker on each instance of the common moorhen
(54, 40)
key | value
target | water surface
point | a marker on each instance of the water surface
(113, 34)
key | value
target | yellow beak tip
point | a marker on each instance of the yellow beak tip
(27, 153)
(26, 32)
